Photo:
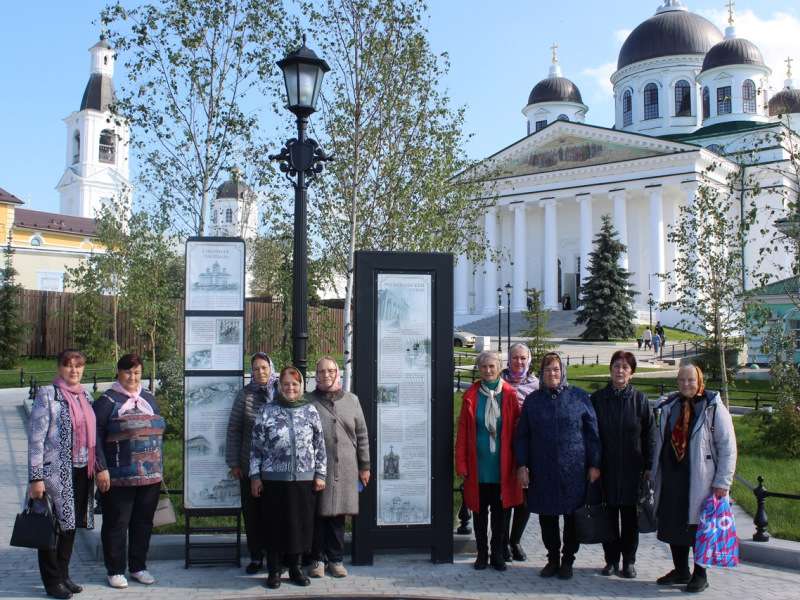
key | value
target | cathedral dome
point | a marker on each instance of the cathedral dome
(786, 101)
(555, 89)
(734, 51)
(672, 31)
(232, 189)
(99, 92)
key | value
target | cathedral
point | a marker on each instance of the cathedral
(686, 95)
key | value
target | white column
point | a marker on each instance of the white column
(490, 275)
(460, 286)
(550, 278)
(657, 240)
(621, 224)
(518, 297)
(586, 234)
(691, 190)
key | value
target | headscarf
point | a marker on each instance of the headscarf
(680, 433)
(337, 382)
(269, 387)
(134, 400)
(84, 424)
(516, 378)
(281, 398)
(563, 383)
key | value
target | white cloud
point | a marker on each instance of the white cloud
(601, 76)
(621, 35)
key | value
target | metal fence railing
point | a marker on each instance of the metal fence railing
(761, 493)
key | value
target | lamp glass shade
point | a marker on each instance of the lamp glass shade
(303, 71)
(509, 288)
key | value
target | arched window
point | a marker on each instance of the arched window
(562, 117)
(749, 96)
(229, 216)
(724, 100)
(716, 148)
(683, 99)
(651, 101)
(627, 108)
(706, 103)
(108, 146)
(76, 147)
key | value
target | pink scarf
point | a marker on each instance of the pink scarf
(337, 383)
(134, 400)
(84, 425)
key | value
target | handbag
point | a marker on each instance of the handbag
(165, 513)
(36, 530)
(716, 544)
(594, 523)
(646, 509)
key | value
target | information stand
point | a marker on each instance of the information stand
(214, 359)
(403, 368)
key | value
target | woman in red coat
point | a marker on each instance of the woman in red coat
(485, 456)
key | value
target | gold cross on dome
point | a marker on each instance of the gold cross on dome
(788, 62)
(730, 6)
(554, 47)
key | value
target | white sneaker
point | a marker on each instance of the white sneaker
(117, 581)
(143, 577)
(337, 569)
(317, 569)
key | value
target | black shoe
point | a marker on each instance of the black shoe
(58, 590)
(517, 553)
(481, 561)
(296, 574)
(565, 571)
(274, 568)
(609, 570)
(549, 570)
(254, 567)
(697, 584)
(72, 586)
(507, 553)
(497, 562)
(674, 577)
(628, 570)
(274, 580)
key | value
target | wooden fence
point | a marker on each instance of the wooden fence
(50, 315)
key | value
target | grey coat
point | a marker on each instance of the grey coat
(50, 456)
(245, 409)
(345, 458)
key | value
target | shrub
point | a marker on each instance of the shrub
(170, 395)
(782, 431)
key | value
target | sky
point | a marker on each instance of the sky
(497, 51)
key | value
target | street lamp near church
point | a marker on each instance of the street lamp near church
(301, 161)
(499, 319)
(509, 289)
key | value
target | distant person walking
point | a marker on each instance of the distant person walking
(656, 343)
(661, 333)
(647, 336)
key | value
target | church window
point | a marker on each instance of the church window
(683, 99)
(36, 241)
(724, 100)
(749, 96)
(541, 125)
(706, 103)
(76, 147)
(563, 117)
(229, 216)
(627, 108)
(529, 127)
(107, 146)
(715, 148)
(651, 101)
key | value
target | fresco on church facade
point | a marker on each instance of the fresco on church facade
(568, 152)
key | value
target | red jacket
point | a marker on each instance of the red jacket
(467, 456)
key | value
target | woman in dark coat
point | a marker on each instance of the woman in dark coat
(628, 437)
(246, 405)
(61, 463)
(558, 450)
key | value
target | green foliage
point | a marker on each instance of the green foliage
(537, 334)
(90, 317)
(780, 347)
(12, 328)
(170, 395)
(606, 302)
(781, 431)
(199, 74)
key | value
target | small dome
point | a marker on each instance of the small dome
(232, 189)
(734, 51)
(672, 31)
(785, 102)
(99, 92)
(555, 89)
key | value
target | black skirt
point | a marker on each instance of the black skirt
(287, 516)
(673, 504)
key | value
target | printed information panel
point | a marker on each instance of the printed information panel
(404, 399)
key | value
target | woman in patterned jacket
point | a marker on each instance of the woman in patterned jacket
(287, 465)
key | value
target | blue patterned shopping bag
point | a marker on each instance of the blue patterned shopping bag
(716, 544)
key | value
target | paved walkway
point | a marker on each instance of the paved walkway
(392, 576)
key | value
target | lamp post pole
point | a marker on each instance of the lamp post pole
(650, 304)
(499, 320)
(509, 287)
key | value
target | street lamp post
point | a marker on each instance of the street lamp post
(650, 303)
(509, 289)
(499, 319)
(301, 158)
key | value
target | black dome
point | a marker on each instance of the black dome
(668, 33)
(555, 89)
(99, 92)
(785, 102)
(735, 51)
(232, 189)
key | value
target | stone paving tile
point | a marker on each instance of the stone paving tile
(401, 575)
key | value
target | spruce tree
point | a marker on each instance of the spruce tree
(537, 334)
(12, 328)
(606, 302)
